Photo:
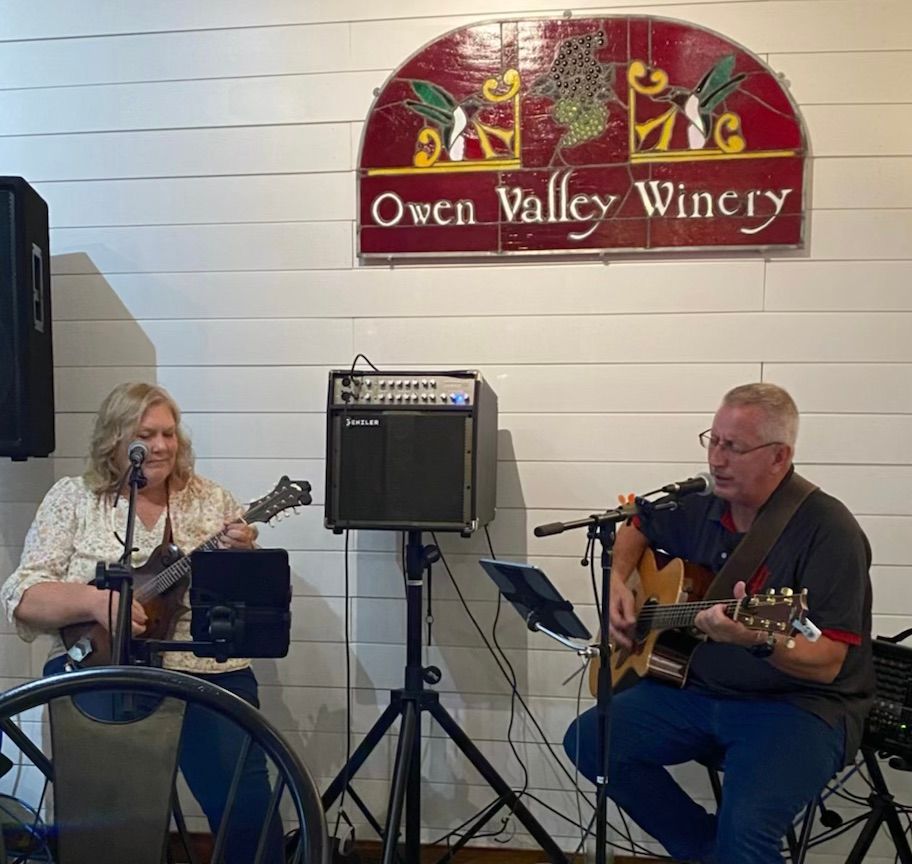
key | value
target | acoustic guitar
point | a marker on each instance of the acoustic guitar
(667, 598)
(159, 585)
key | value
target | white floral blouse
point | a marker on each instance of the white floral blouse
(74, 530)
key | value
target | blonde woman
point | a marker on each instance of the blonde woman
(79, 523)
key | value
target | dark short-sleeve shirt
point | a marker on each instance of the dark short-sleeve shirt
(822, 549)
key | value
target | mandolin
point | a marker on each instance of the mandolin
(159, 585)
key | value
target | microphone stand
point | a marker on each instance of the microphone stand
(603, 527)
(119, 577)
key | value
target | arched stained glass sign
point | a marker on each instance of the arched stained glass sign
(580, 135)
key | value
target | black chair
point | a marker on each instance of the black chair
(113, 782)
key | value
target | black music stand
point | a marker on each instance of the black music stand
(239, 599)
(540, 605)
(529, 591)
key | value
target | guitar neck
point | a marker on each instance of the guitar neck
(666, 617)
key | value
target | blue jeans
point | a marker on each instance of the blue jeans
(776, 758)
(210, 746)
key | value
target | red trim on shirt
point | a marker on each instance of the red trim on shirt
(842, 636)
(727, 522)
(758, 580)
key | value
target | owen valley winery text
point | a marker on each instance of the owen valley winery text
(588, 210)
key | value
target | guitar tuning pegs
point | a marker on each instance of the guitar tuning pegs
(787, 592)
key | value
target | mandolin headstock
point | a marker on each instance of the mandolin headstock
(286, 494)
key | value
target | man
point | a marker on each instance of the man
(780, 721)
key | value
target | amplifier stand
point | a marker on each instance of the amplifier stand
(882, 810)
(408, 704)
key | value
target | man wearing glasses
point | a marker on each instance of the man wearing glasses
(779, 720)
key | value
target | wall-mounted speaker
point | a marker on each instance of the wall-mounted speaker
(26, 358)
(410, 450)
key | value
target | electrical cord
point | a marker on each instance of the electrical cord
(513, 691)
(340, 811)
(522, 702)
(365, 358)
(510, 675)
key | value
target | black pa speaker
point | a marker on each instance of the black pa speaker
(26, 358)
(410, 450)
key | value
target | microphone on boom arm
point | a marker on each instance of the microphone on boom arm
(702, 484)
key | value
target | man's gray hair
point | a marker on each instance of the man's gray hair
(779, 409)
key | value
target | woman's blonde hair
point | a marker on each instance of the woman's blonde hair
(115, 426)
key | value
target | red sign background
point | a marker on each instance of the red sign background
(586, 135)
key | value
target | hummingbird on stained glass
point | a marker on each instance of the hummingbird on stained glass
(697, 105)
(449, 116)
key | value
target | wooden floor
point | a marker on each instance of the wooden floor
(370, 852)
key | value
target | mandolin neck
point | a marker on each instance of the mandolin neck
(171, 575)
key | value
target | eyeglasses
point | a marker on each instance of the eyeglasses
(710, 441)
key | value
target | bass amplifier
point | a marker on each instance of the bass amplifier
(410, 450)
(889, 724)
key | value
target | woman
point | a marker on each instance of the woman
(78, 525)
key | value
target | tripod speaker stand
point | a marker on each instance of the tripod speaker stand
(408, 703)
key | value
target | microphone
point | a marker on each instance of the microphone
(702, 484)
(137, 453)
(549, 529)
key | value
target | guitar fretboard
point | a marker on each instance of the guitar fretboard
(662, 617)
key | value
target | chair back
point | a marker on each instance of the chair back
(113, 771)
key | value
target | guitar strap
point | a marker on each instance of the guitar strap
(168, 537)
(751, 552)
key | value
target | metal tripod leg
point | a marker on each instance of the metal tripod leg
(496, 782)
(882, 810)
(402, 774)
(359, 757)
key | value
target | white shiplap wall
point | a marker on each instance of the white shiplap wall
(198, 162)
